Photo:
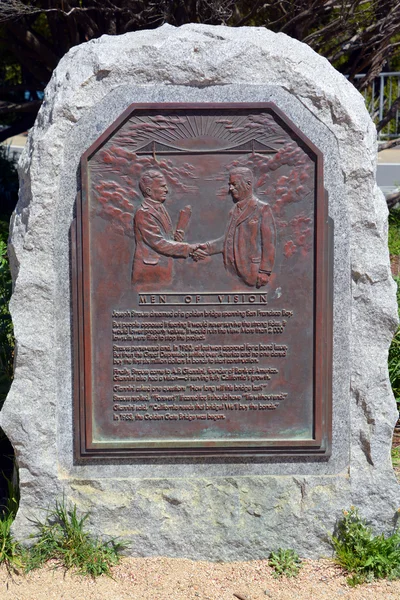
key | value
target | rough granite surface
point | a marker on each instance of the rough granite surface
(212, 509)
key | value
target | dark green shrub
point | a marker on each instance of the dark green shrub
(6, 328)
(8, 184)
(6, 359)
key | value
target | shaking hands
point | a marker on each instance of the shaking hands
(199, 252)
(196, 251)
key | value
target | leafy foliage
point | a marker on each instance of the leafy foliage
(394, 350)
(6, 328)
(63, 537)
(394, 232)
(285, 562)
(354, 35)
(396, 456)
(8, 193)
(10, 551)
(8, 184)
(394, 354)
(364, 555)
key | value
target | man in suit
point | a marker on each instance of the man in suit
(248, 246)
(156, 243)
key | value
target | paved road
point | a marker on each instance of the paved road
(388, 177)
(388, 171)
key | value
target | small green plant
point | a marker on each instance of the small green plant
(364, 555)
(11, 553)
(285, 562)
(63, 537)
(396, 456)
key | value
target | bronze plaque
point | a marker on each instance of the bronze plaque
(202, 286)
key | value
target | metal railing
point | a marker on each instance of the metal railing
(379, 97)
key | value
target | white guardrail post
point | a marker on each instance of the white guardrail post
(379, 97)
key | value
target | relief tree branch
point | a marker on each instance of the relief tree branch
(389, 115)
(388, 145)
(354, 35)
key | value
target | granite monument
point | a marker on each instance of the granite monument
(202, 297)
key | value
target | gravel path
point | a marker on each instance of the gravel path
(181, 579)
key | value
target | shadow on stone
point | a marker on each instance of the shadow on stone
(6, 466)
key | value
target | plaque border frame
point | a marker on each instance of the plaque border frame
(321, 445)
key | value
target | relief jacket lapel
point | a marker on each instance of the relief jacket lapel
(159, 213)
(248, 210)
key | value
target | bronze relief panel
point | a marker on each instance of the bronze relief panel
(202, 286)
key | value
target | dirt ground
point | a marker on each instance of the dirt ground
(181, 579)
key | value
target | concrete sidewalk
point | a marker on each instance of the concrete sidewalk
(391, 156)
(15, 145)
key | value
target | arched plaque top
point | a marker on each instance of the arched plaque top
(200, 127)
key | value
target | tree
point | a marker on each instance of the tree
(356, 36)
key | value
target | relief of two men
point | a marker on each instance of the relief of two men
(248, 245)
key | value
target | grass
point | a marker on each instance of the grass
(285, 563)
(62, 537)
(365, 556)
